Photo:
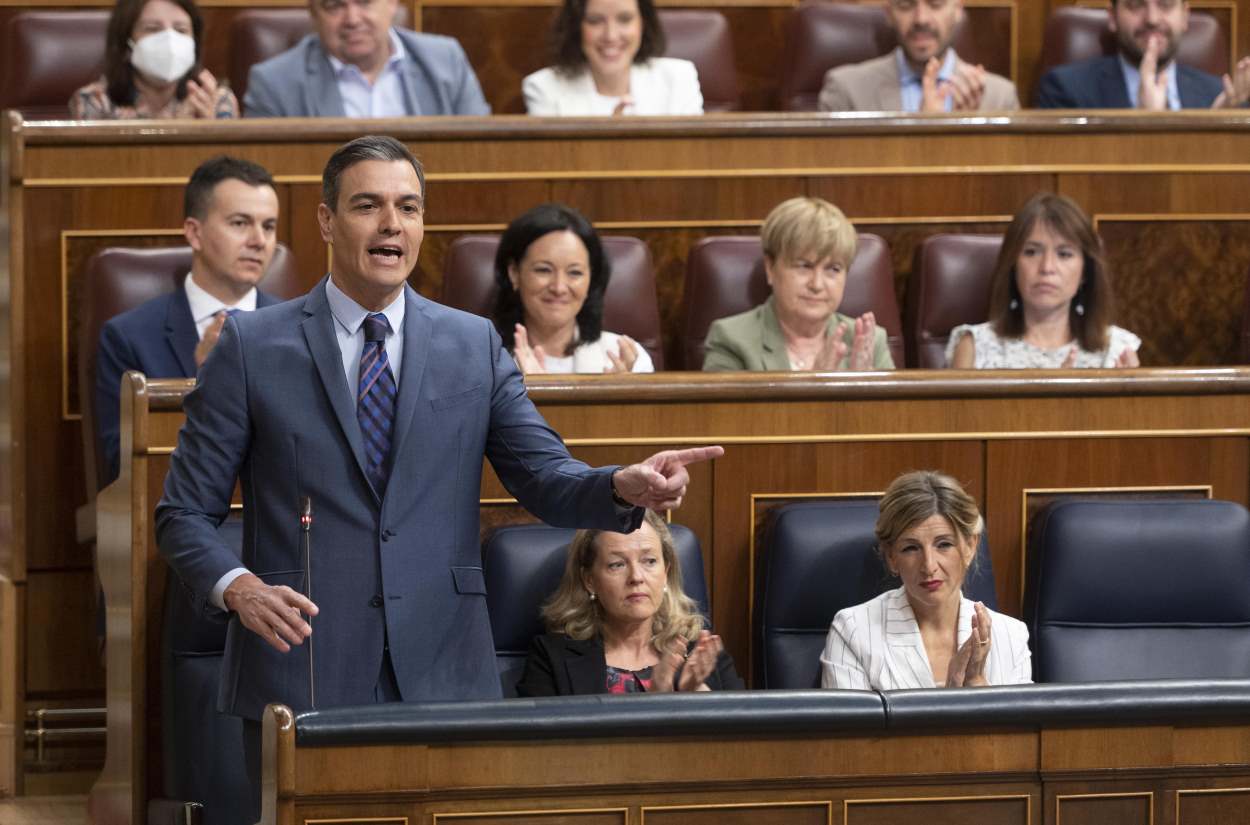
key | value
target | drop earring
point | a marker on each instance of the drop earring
(592, 595)
(1014, 305)
(1080, 308)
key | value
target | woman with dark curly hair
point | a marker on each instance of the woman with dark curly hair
(552, 274)
(608, 62)
(152, 67)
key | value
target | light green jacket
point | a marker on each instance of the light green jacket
(752, 340)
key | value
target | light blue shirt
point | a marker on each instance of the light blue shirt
(385, 96)
(1132, 83)
(349, 317)
(911, 85)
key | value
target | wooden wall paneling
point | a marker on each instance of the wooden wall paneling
(12, 682)
(763, 813)
(1201, 264)
(750, 479)
(1131, 808)
(12, 519)
(64, 661)
(941, 810)
(1099, 466)
(1212, 805)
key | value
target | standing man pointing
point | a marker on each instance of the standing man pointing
(378, 406)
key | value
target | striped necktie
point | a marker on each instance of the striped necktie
(375, 401)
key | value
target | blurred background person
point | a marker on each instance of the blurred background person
(607, 62)
(923, 73)
(925, 634)
(808, 248)
(1050, 299)
(620, 622)
(152, 68)
(552, 274)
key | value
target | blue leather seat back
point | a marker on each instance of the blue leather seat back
(1139, 590)
(523, 564)
(817, 558)
(201, 748)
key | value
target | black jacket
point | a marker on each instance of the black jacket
(560, 666)
(1099, 84)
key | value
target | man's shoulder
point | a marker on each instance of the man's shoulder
(288, 66)
(868, 70)
(426, 45)
(1081, 71)
(146, 318)
(1196, 83)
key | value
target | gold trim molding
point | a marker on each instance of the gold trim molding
(714, 806)
(438, 817)
(1027, 798)
(1199, 791)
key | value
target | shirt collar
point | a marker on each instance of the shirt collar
(397, 56)
(204, 305)
(1132, 82)
(350, 315)
(907, 76)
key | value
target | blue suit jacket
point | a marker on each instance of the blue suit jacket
(300, 82)
(273, 408)
(1099, 84)
(158, 339)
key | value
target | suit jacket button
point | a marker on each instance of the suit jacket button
(376, 601)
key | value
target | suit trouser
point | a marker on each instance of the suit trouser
(386, 690)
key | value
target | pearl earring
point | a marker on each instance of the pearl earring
(1014, 305)
(592, 595)
(1080, 308)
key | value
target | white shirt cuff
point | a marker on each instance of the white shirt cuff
(218, 596)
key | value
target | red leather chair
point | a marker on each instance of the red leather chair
(950, 285)
(703, 38)
(47, 55)
(725, 276)
(1074, 33)
(259, 34)
(822, 35)
(629, 307)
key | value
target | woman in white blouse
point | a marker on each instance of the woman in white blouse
(925, 634)
(608, 63)
(1050, 299)
(552, 275)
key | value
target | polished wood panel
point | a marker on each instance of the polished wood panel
(547, 817)
(1101, 809)
(799, 813)
(1212, 805)
(75, 668)
(939, 811)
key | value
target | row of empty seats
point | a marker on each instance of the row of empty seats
(1130, 589)
(51, 53)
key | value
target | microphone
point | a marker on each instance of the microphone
(305, 526)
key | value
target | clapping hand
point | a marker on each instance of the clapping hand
(211, 333)
(624, 360)
(698, 664)
(965, 88)
(1236, 87)
(202, 95)
(660, 482)
(1152, 93)
(1127, 360)
(529, 359)
(834, 350)
(967, 667)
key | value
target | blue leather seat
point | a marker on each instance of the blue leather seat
(817, 558)
(523, 564)
(1139, 590)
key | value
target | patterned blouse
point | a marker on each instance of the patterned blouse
(92, 102)
(628, 681)
(994, 352)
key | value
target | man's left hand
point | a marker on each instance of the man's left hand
(660, 482)
(1236, 87)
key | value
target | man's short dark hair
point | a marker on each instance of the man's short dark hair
(369, 147)
(207, 175)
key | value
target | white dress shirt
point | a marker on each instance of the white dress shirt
(384, 97)
(349, 317)
(877, 646)
(205, 306)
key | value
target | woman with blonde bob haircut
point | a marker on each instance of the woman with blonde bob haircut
(925, 634)
(620, 623)
(808, 249)
(1051, 303)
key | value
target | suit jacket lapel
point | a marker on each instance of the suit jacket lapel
(889, 92)
(586, 667)
(318, 326)
(418, 97)
(417, 331)
(321, 92)
(1111, 84)
(772, 342)
(180, 331)
(1189, 91)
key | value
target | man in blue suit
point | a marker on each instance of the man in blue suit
(231, 221)
(375, 406)
(1143, 74)
(359, 65)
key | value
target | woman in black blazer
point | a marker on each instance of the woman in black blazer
(620, 623)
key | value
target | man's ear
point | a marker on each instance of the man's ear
(325, 221)
(191, 231)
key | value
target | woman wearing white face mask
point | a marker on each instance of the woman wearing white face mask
(151, 67)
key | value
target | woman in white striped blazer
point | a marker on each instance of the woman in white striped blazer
(925, 634)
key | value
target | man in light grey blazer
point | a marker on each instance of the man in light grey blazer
(922, 74)
(375, 406)
(358, 65)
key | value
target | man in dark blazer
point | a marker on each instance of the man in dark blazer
(358, 65)
(1144, 72)
(294, 401)
(230, 220)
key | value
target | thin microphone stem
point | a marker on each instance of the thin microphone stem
(305, 523)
